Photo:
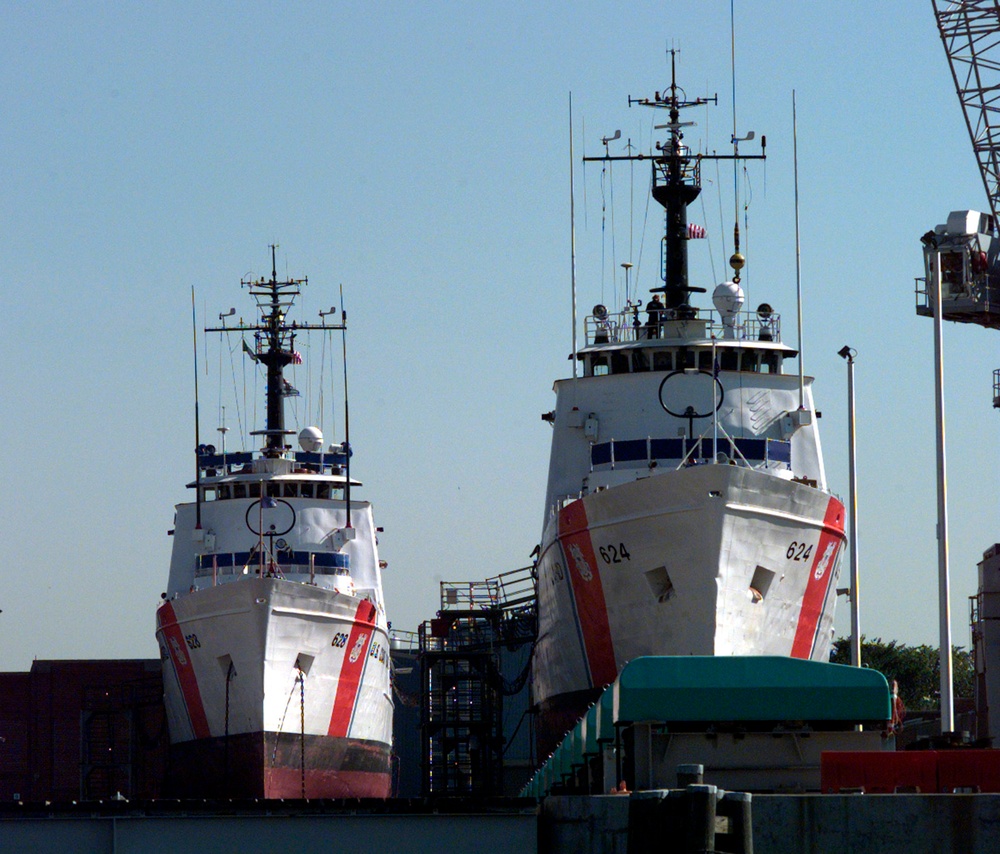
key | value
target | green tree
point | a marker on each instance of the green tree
(915, 668)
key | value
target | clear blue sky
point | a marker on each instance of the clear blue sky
(418, 154)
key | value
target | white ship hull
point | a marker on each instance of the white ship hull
(272, 630)
(687, 509)
(275, 688)
(704, 560)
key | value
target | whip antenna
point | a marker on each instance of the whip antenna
(197, 419)
(347, 415)
(572, 230)
(798, 253)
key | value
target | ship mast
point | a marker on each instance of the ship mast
(676, 182)
(274, 347)
(675, 186)
(277, 353)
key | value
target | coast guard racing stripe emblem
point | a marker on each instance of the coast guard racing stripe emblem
(351, 671)
(820, 577)
(588, 593)
(184, 670)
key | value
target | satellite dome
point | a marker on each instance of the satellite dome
(311, 439)
(728, 299)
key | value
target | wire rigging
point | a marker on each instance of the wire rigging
(236, 397)
(645, 223)
(722, 217)
(319, 397)
(333, 381)
(245, 430)
(604, 222)
(583, 133)
(631, 213)
(747, 200)
(708, 235)
(614, 252)
(219, 409)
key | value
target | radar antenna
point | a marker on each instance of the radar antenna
(274, 346)
(676, 183)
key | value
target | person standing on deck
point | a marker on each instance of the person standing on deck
(654, 312)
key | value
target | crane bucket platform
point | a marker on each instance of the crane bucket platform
(966, 246)
(967, 250)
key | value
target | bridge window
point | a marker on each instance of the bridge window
(239, 490)
(663, 360)
(729, 360)
(598, 366)
(307, 490)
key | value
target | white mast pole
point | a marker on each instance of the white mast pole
(854, 591)
(715, 408)
(798, 254)
(944, 592)
(855, 577)
(572, 228)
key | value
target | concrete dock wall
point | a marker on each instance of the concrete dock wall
(782, 824)
(333, 834)
(800, 824)
(876, 824)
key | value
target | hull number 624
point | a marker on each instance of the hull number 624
(799, 551)
(614, 554)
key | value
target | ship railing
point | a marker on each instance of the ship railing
(218, 565)
(714, 446)
(517, 588)
(218, 464)
(403, 640)
(632, 324)
(651, 453)
(965, 297)
(470, 595)
(507, 591)
(454, 630)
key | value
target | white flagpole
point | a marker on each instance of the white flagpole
(798, 254)
(715, 408)
(944, 583)
(572, 228)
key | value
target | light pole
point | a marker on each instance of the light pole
(944, 592)
(848, 354)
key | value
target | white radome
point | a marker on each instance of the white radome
(728, 299)
(311, 440)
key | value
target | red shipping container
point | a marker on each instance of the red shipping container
(978, 770)
(879, 772)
